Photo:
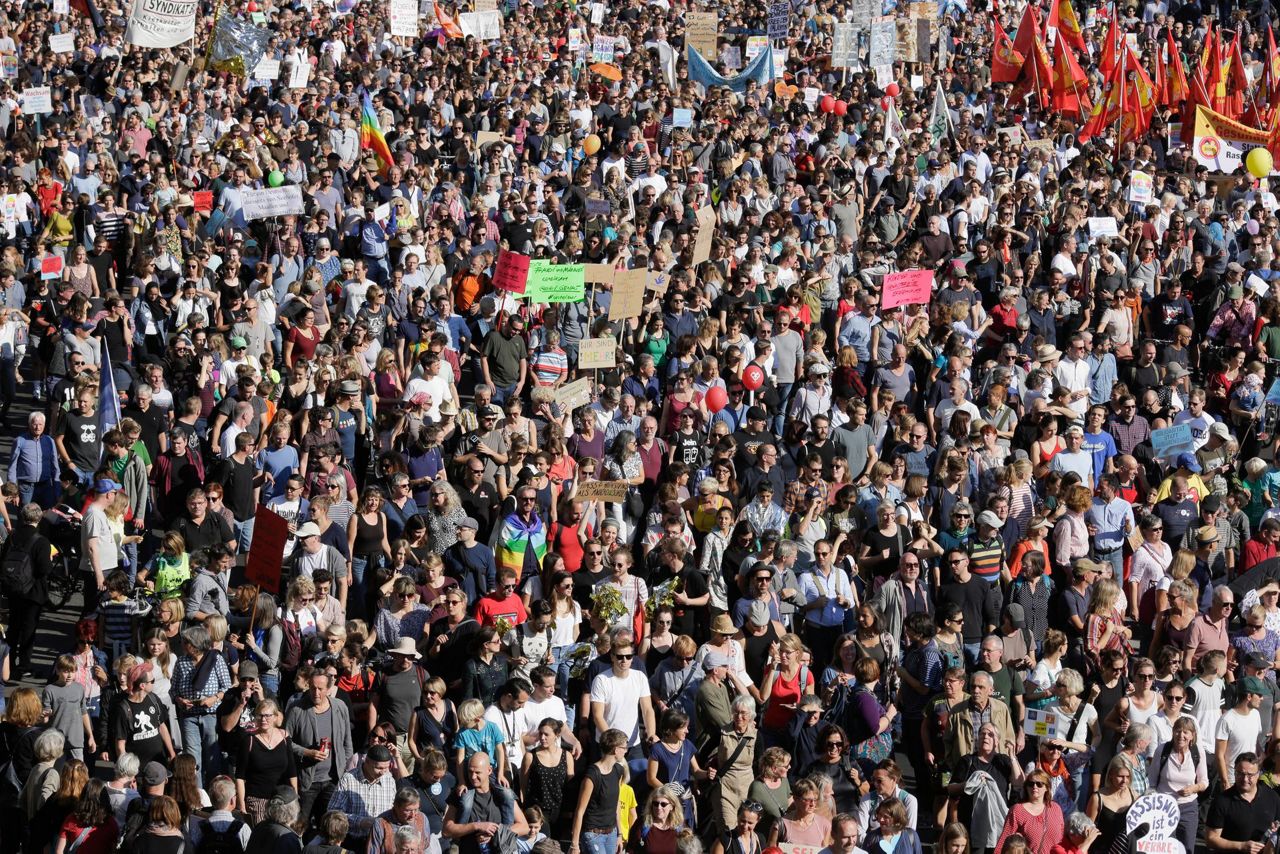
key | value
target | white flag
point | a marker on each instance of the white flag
(162, 23)
(940, 118)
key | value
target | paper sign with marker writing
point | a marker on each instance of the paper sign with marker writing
(403, 18)
(628, 294)
(50, 267)
(62, 43)
(1168, 442)
(755, 44)
(658, 282)
(597, 353)
(602, 49)
(796, 848)
(577, 393)
(599, 207)
(272, 201)
(549, 282)
(62, 7)
(779, 19)
(1103, 226)
(36, 101)
(299, 74)
(511, 272)
(614, 491)
(906, 288)
(597, 13)
(681, 117)
(844, 47)
(268, 69)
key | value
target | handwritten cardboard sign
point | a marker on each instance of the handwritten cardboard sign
(600, 274)
(702, 31)
(1168, 442)
(906, 288)
(628, 294)
(706, 216)
(203, 200)
(614, 491)
(577, 393)
(597, 353)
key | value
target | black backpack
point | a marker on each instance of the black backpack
(224, 842)
(135, 820)
(16, 578)
(1166, 751)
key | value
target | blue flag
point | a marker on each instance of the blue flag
(109, 415)
(759, 69)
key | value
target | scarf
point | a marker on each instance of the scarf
(1059, 769)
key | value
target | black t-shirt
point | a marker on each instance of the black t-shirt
(139, 725)
(264, 768)
(237, 482)
(1177, 516)
(82, 437)
(212, 531)
(484, 808)
(448, 661)
(1240, 820)
(602, 809)
(398, 694)
(1000, 768)
(480, 506)
(153, 423)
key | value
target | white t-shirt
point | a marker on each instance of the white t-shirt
(513, 725)
(1206, 709)
(536, 713)
(1242, 733)
(621, 698)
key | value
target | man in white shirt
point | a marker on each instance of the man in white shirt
(1239, 730)
(884, 787)
(1073, 372)
(1196, 418)
(508, 714)
(1074, 458)
(543, 704)
(620, 700)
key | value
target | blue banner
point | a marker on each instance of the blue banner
(759, 69)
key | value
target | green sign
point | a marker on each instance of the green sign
(556, 282)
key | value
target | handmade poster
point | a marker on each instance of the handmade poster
(779, 20)
(203, 200)
(36, 101)
(1041, 723)
(614, 491)
(906, 288)
(844, 47)
(511, 272)
(268, 69)
(272, 201)
(1103, 226)
(63, 43)
(1141, 187)
(577, 393)
(597, 353)
(1168, 442)
(600, 274)
(555, 283)
(162, 23)
(884, 34)
(403, 18)
(628, 294)
(702, 32)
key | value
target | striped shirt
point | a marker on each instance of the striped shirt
(986, 559)
(549, 366)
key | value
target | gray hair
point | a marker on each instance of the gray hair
(282, 812)
(744, 703)
(406, 834)
(1071, 680)
(222, 792)
(127, 766)
(787, 549)
(50, 745)
(984, 676)
(1079, 824)
(1136, 734)
(143, 388)
(994, 640)
(30, 514)
(198, 637)
(34, 417)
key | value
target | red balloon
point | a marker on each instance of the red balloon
(717, 398)
(827, 104)
(841, 108)
(884, 104)
(753, 377)
(892, 90)
(252, 7)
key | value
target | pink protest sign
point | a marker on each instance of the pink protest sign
(911, 286)
(512, 272)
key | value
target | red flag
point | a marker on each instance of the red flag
(1271, 69)
(1070, 84)
(1108, 56)
(1036, 75)
(1062, 17)
(1176, 88)
(1006, 62)
(1235, 80)
(1129, 100)
(1214, 82)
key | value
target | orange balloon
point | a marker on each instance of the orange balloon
(591, 144)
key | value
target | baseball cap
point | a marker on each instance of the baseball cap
(238, 343)
(989, 518)
(104, 485)
(469, 522)
(1189, 462)
(1221, 430)
(714, 660)
(379, 753)
(248, 670)
(153, 774)
(1254, 685)
(757, 413)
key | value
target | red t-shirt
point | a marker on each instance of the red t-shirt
(490, 609)
(785, 693)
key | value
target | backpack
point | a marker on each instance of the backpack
(135, 820)
(224, 842)
(16, 577)
(291, 647)
(1167, 750)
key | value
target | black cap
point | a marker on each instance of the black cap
(757, 413)
(378, 753)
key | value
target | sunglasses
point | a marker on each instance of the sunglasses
(623, 656)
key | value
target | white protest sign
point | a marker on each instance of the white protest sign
(38, 100)
(597, 14)
(299, 74)
(602, 49)
(681, 117)
(1141, 187)
(1041, 723)
(62, 7)
(62, 43)
(162, 23)
(273, 201)
(884, 42)
(1103, 226)
(268, 69)
(1156, 809)
(844, 46)
(756, 44)
(483, 26)
(402, 18)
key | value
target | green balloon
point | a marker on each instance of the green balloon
(276, 178)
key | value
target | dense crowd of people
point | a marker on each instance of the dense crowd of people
(358, 570)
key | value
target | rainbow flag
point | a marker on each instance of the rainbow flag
(371, 138)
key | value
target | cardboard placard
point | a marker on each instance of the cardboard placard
(906, 288)
(597, 353)
(577, 393)
(1103, 226)
(613, 491)
(658, 282)
(203, 200)
(62, 43)
(266, 553)
(702, 30)
(487, 137)
(884, 39)
(511, 272)
(628, 294)
(600, 274)
(1168, 442)
(706, 216)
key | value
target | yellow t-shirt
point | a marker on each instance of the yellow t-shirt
(626, 805)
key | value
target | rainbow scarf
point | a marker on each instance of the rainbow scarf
(519, 543)
(371, 138)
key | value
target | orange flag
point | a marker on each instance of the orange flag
(1070, 84)
(1235, 80)
(1062, 17)
(1271, 70)
(1129, 100)
(1006, 62)
(448, 24)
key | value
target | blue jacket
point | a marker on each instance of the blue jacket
(34, 460)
